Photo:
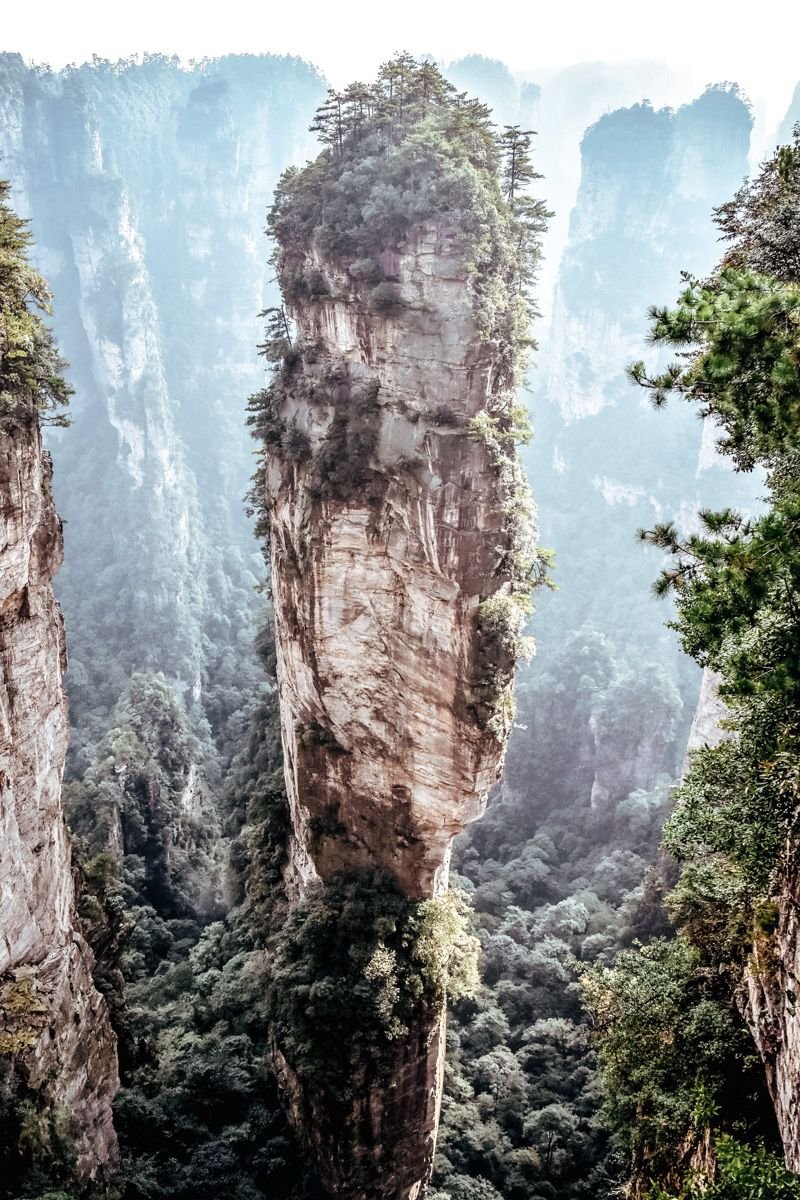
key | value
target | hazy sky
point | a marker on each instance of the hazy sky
(714, 39)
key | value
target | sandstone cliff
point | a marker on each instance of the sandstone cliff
(402, 547)
(378, 570)
(54, 1026)
(388, 530)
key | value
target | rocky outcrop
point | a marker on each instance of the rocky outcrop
(145, 183)
(391, 1131)
(386, 535)
(707, 724)
(768, 998)
(388, 520)
(53, 1023)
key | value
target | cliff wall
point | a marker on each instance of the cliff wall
(145, 184)
(390, 534)
(53, 1023)
(377, 575)
(768, 1000)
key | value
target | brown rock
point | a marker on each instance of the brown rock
(55, 1022)
(387, 529)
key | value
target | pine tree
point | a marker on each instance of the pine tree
(31, 380)
(518, 171)
(277, 335)
(328, 123)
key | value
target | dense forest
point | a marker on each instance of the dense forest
(629, 1020)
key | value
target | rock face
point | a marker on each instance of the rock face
(52, 1020)
(768, 1000)
(387, 531)
(377, 575)
(603, 462)
(391, 1132)
(711, 711)
(145, 184)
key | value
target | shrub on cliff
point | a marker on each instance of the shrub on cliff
(353, 965)
(407, 149)
(30, 365)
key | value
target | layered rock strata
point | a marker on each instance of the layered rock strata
(389, 529)
(54, 1026)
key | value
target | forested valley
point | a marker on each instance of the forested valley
(620, 944)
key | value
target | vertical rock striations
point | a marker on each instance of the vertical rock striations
(386, 537)
(401, 543)
(768, 1001)
(139, 179)
(56, 1042)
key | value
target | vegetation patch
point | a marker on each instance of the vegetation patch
(736, 583)
(31, 380)
(356, 966)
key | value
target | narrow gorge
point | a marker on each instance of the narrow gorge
(327, 886)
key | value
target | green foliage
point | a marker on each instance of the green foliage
(20, 1016)
(404, 150)
(744, 372)
(501, 645)
(762, 221)
(355, 964)
(673, 1051)
(147, 792)
(342, 466)
(202, 1073)
(31, 380)
(743, 1173)
(735, 583)
(37, 1151)
(440, 944)
(188, 1001)
(555, 872)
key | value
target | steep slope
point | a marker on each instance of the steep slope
(146, 184)
(57, 1051)
(649, 181)
(400, 532)
(385, 540)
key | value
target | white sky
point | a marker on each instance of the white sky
(758, 45)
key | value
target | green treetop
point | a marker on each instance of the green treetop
(400, 151)
(30, 366)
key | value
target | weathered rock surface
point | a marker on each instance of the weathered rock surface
(768, 999)
(707, 728)
(387, 532)
(51, 1017)
(377, 588)
(768, 994)
(391, 1138)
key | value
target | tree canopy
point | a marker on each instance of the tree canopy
(31, 380)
